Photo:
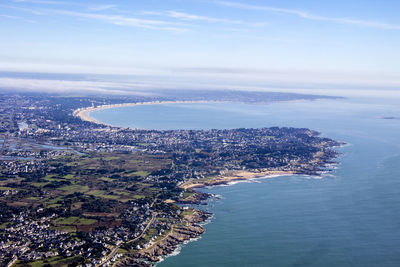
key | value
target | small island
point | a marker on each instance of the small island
(74, 191)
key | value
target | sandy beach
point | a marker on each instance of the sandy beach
(84, 113)
(232, 177)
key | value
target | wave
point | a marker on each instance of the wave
(251, 180)
(178, 249)
(207, 221)
(217, 196)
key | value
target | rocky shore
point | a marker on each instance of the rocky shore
(196, 198)
(190, 229)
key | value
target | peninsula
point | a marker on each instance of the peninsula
(78, 193)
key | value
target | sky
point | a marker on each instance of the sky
(253, 45)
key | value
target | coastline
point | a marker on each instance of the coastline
(84, 113)
(193, 230)
(233, 176)
(190, 228)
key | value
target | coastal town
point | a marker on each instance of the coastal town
(75, 192)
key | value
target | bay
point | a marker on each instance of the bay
(351, 218)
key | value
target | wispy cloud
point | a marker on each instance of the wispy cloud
(101, 7)
(41, 2)
(307, 15)
(16, 18)
(63, 86)
(118, 20)
(124, 21)
(91, 7)
(193, 17)
(241, 79)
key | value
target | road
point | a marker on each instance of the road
(114, 251)
(12, 262)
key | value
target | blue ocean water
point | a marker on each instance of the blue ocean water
(349, 219)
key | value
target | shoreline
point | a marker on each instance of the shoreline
(196, 226)
(234, 176)
(189, 230)
(192, 229)
(84, 113)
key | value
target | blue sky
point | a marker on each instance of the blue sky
(186, 43)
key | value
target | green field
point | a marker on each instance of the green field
(75, 188)
(56, 262)
(103, 194)
(4, 225)
(75, 221)
(6, 188)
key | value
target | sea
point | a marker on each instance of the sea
(349, 217)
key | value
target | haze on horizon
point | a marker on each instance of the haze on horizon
(336, 47)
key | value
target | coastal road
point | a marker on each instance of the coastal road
(153, 218)
(114, 251)
(12, 262)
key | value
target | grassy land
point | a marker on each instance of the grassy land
(56, 262)
(75, 221)
(188, 212)
(75, 188)
(40, 184)
(187, 194)
(89, 191)
(2, 188)
(103, 194)
(141, 173)
(3, 226)
(54, 206)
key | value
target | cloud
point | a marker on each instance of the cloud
(101, 7)
(150, 82)
(118, 20)
(17, 18)
(309, 16)
(45, 2)
(68, 86)
(193, 17)
(83, 87)
(263, 8)
(125, 21)
(112, 19)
